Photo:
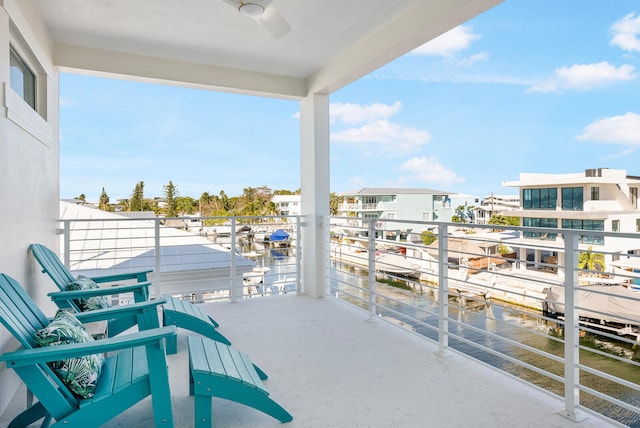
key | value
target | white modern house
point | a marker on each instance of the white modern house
(599, 199)
(495, 205)
(391, 204)
(287, 204)
(202, 44)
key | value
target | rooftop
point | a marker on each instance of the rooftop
(329, 367)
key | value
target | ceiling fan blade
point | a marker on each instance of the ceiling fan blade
(274, 23)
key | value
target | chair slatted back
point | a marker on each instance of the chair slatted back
(22, 317)
(52, 266)
(18, 312)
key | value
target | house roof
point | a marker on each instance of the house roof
(209, 44)
(371, 191)
(95, 253)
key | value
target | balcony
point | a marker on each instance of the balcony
(462, 339)
(329, 366)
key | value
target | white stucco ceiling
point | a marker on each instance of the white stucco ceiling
(210, 44)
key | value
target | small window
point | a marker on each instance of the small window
(638, 225)
(615, 225)
(23, 79)
(595, 193)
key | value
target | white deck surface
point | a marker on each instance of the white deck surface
(329, 367)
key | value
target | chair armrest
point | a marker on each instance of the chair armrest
(27, 357)
(140, 276)
(117, 311)
(106, 291)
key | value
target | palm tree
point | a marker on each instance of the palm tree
(590, 261)
(334, 203)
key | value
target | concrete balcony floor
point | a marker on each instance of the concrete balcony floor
(329, 367)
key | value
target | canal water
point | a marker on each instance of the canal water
(471, 320)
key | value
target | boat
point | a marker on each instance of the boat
(612, 308)
(387, 262)
(279, 238)
(255, 276)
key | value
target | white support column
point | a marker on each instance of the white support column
(314, 181)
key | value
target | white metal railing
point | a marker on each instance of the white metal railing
(216, 258)
(519, 305)
(571, 331)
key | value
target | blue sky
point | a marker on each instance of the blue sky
(544, 86)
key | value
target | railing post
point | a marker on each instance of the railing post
(571, 330)
(234, 286)
(298, 257)
(66, 243)
(156, 270)
(371, 251)
(443, 287)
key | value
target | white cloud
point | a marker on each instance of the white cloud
(470, 60)
(585, 77)
(357, 113)
(449, 43)
(428, 169)
(390, 138)
(626, 33)
(376, 135)
(623, 129)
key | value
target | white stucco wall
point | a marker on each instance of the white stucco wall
(29, 171)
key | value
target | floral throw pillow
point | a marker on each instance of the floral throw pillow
(79, 374)
(92, 303)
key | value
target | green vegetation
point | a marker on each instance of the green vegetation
(428, 237)
(254, 201)
(171, 204)
(104, 201)
(590, 260)
(397, 284)
(504, 220)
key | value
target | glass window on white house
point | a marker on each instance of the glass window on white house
(595, 193)
(615, 225)
(638, 225)
(23, 79)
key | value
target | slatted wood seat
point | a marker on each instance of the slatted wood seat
(125, 378)
(190, 317)
(218, 370)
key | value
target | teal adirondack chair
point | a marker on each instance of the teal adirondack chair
(125, 378)
(175, 312)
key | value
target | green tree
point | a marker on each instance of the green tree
(590, 260)
(224, 202)
(136, 203)
(504, 220)
(186, 205)
(82, 197)
(334, 203)
(170, 195)
(204, 204)
(428, 237)
(104, 201)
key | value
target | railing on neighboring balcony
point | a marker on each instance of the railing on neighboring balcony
(203, 258)
(542, 312)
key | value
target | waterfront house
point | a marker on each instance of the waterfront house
(391, 204)
(287, 204)
(494, 205)
(599, 199)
